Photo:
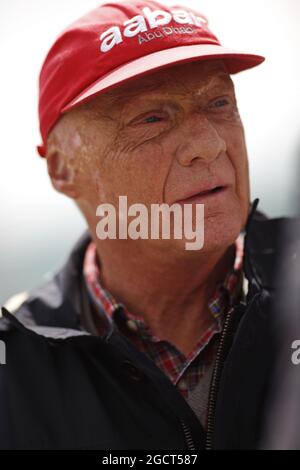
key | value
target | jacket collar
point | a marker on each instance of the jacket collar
(267, 243)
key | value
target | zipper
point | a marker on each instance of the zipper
(188, 436)
(218, 368)
(221, 352)
(216, 379)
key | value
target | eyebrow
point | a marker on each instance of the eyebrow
(145, 93)
(218, 79)
(124, 96)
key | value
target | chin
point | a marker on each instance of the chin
(220, 231)
(222, 227)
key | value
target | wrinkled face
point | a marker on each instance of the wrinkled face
(174, 135)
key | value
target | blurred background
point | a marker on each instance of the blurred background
(39, 226)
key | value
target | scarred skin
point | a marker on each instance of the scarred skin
(153, 140)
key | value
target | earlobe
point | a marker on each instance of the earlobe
(62, 173)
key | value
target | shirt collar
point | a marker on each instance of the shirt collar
(106, 306)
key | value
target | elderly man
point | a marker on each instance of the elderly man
(139, 343)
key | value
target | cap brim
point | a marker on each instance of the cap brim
(234, 61)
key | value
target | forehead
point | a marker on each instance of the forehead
(179, 79)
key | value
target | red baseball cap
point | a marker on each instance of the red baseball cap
(119, 41)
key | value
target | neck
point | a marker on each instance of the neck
(171, 294)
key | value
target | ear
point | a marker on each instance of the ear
(62, 173)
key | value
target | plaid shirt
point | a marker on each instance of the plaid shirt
(185, 372)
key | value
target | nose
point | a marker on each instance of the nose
(199, 140)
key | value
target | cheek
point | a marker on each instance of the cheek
(142, 172)
(237, 153)
(92, 174)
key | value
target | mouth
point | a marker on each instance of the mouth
(214, 192)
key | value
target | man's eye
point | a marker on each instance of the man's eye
(220, 103)
(152, 119)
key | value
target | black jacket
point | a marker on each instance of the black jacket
(63, 388)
